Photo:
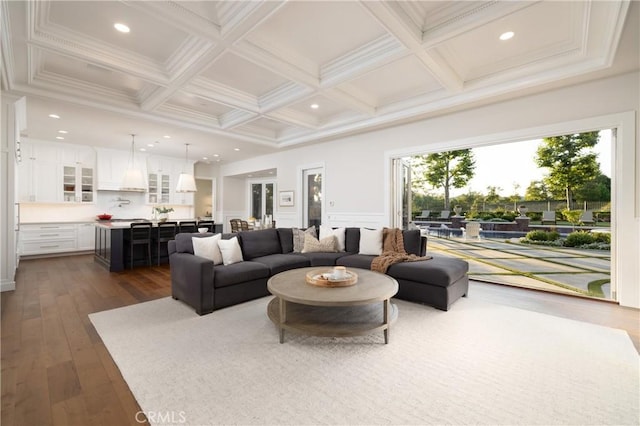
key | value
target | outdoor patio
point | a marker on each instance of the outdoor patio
(557, 269)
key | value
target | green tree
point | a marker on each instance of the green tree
(446, 170)
(570, 160)
(597, 189)
(538, 191)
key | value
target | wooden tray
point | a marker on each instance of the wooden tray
(315, 278)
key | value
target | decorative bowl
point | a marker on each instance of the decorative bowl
(104, 216)
(202, 230)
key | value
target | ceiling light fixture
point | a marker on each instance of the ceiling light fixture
(63, 132)
(133, 178)
(121, 27)
(186, 182)
(314, 106)
(507, 35)
(236, 149)
(167, 137)
(59, 137)
(54, 116)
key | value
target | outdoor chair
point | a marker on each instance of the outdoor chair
(424, 215)
(444, 214)
(587, 217)
(548, 216)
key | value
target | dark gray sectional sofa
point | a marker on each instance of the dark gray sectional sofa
(438, 282)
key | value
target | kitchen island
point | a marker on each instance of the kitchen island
(110, 246)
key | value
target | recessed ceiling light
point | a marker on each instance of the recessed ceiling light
(121, 27)
(143, 149)
(167, 137)
(216, 155)
(507, 35)
(59, 137)
(54, 116)
(236, 149)
(314, 106)
(205, 158)
(64, 132)
(150, 145)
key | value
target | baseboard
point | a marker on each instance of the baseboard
(7, 285)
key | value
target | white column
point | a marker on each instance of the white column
(8, 209)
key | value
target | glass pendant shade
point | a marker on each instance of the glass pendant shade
(186, 182)
(133, 177)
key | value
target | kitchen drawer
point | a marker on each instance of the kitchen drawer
(48, 227)
(44, 247)
(48, 234)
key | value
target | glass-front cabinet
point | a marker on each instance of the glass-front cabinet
(159, 187)
(77, 184)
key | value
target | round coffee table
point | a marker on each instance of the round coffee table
(332, 311)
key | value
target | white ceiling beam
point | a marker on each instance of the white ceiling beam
(295, 118)
(351, 100)
(396, 22)
(175, 14)
(473, 16)
(374, 54)
(220, 93)
(283, 95)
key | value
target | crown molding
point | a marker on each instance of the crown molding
(373, 54)
(7, 49)
(236, 118)
(286, 93)
(50, 37)
(352, 100)
(295, 118)
(220, 93)
(175, 14)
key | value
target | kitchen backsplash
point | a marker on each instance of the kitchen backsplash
(122, 205)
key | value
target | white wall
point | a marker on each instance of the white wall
(355, 166)
(8, 256)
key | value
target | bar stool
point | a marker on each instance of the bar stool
(140, 235)
(166, 233)
(206, 224)
(188, 226)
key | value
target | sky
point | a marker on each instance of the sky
(514, 163)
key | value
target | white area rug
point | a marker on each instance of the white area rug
(476, 364)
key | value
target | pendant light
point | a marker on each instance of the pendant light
(133, 178)
(186, 182)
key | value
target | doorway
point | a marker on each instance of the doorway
(203, 199)
(312, 201)
(507, 251)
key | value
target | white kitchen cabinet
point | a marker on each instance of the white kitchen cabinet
(39, 173)
(78, 176)
(159, 179)
(112, 165)
(50, 238)
(86, 236)
(78, 184)
(55, 238)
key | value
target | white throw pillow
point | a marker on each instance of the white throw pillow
(207, 247)
(231, 252)
(371, 241)
(326, 231)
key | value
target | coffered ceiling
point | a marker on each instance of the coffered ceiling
(228, 75)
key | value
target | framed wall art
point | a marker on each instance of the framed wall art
(285, 198)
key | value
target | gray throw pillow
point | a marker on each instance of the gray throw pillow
(298, 237)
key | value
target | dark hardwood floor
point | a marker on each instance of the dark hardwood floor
(56, 370)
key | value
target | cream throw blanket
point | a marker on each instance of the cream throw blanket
(393, 251)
